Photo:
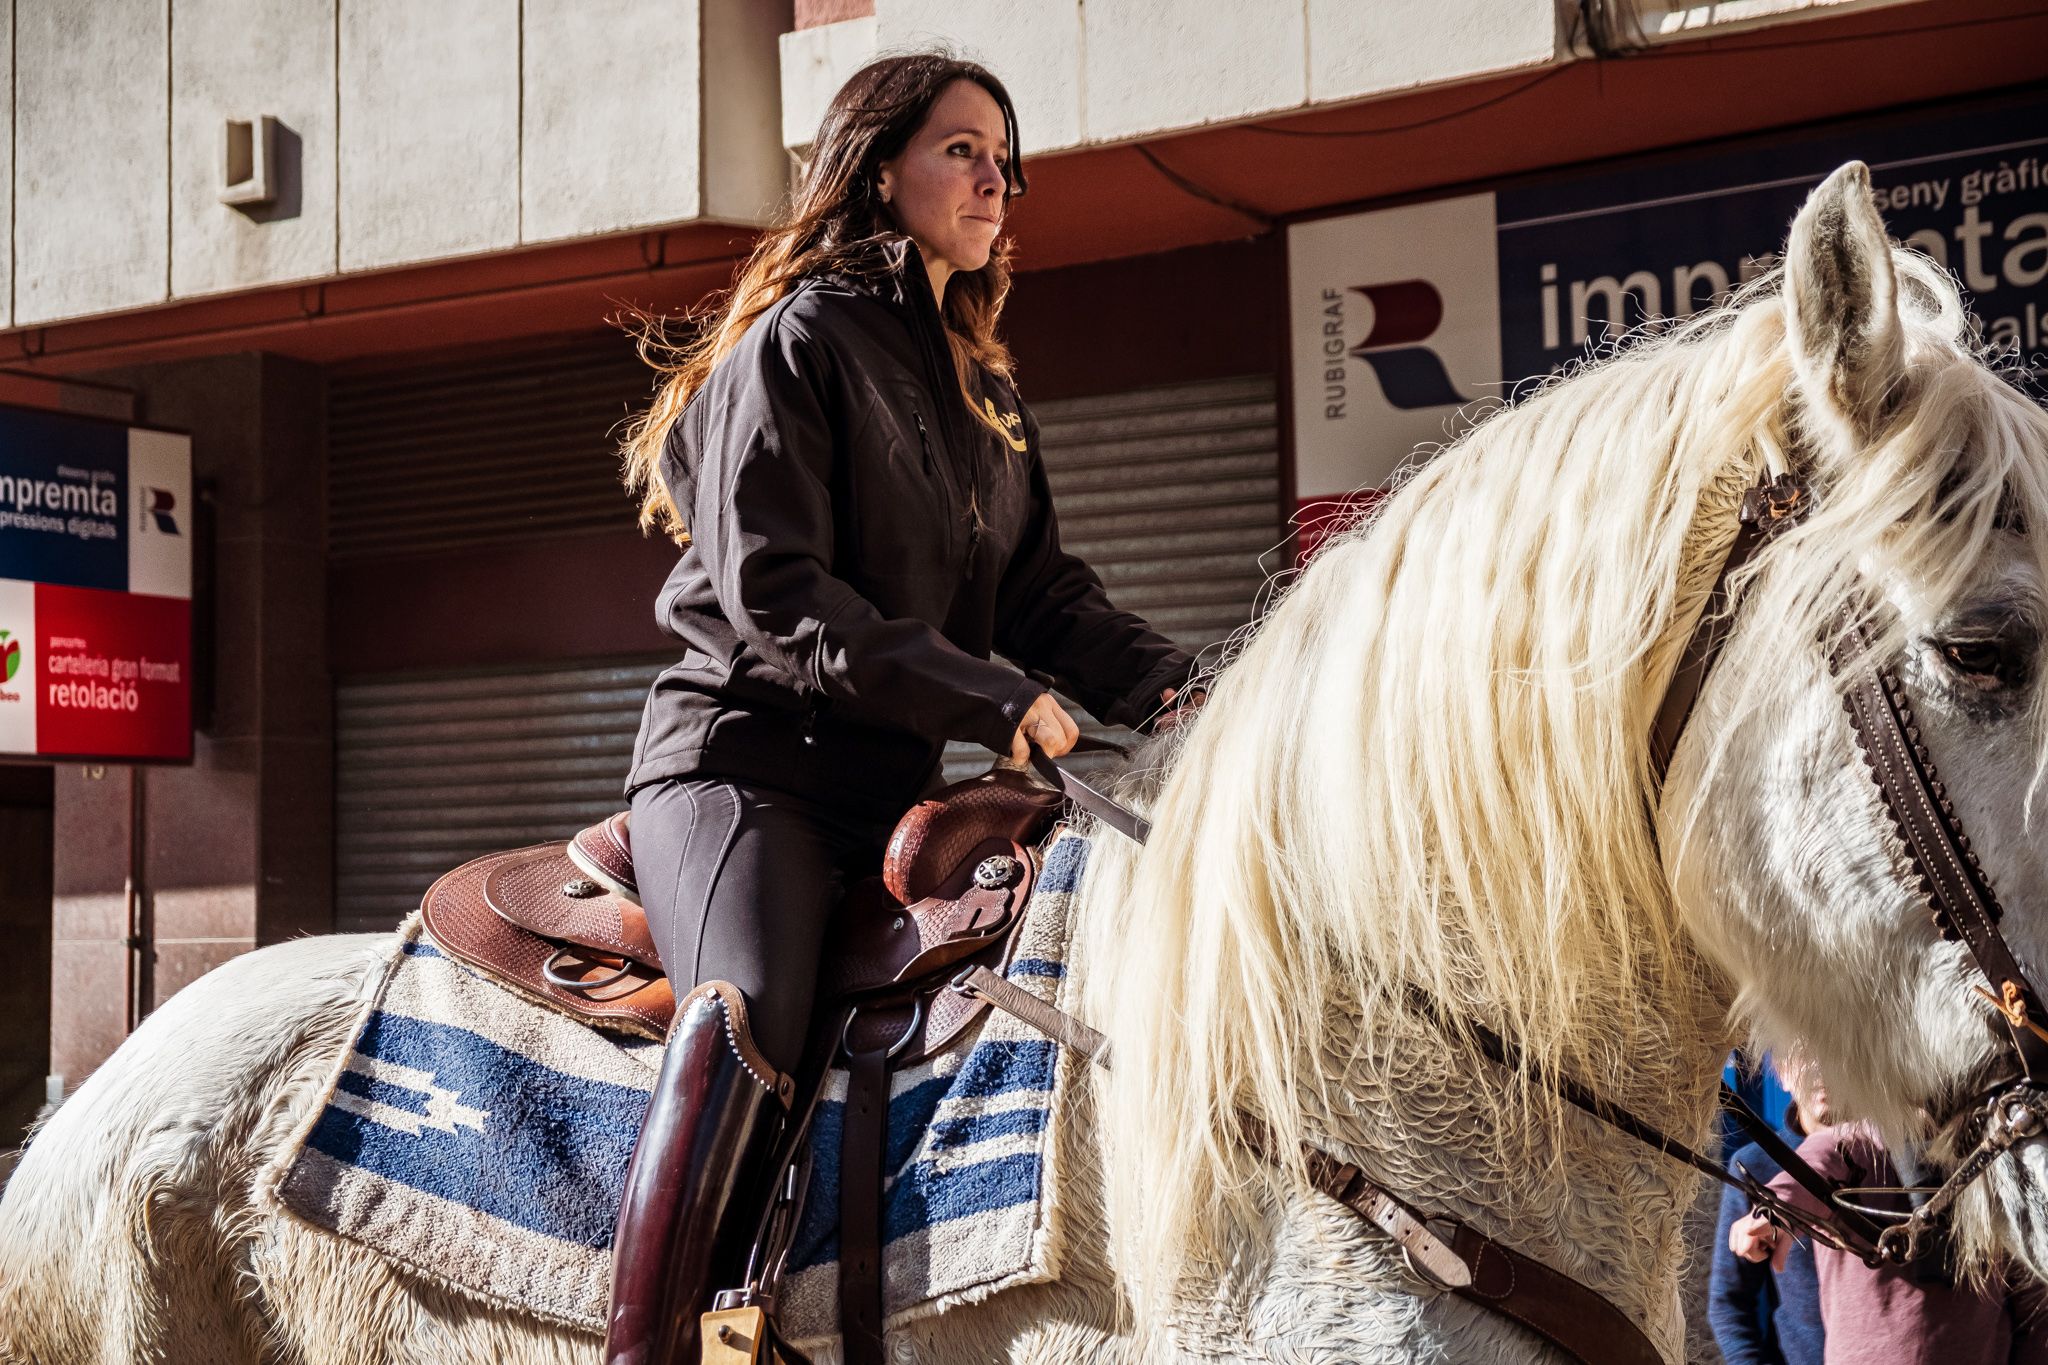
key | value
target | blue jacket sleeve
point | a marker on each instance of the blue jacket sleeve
(1739, 1297)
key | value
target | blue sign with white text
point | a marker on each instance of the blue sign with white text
(1587, 258)
(63, 495)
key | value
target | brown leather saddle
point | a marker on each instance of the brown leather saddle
(561, 922)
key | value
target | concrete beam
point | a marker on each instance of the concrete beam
(815, 63)
(1118, 70)
(1155, 65)
(1358, 50)
(745, 174)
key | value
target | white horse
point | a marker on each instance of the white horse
(1427, 766)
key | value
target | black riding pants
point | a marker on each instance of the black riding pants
(739, 882)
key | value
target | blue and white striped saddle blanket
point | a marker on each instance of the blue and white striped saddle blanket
(481, 1139)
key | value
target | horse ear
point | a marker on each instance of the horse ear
(1848, 342)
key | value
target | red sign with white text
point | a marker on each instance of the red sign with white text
(93, 673)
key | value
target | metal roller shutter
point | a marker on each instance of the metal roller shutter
(430, 771)
(1172, 494)
(493, 449)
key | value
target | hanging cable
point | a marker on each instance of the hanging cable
(1207, 196)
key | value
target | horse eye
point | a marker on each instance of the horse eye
(1982, 663)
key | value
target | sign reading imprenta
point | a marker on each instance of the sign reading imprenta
(95, 589)
(1408, 322)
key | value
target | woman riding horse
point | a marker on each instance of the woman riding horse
(864, 515)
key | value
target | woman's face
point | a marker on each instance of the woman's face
(946, 187)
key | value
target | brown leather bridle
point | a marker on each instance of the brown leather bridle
(1950, 876)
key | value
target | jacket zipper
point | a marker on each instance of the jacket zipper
(924, 439)
(973, 510)
(937, 358)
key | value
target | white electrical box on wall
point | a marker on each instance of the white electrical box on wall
(248, 156)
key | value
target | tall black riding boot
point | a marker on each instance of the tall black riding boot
(687, 1222)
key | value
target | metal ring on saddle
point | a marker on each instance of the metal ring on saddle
(896, 1048)
(555, 977)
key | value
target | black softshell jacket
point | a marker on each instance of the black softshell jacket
(839, 599)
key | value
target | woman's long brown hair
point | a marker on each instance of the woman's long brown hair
(835, 223)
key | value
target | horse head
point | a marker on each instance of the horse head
(1930, 475)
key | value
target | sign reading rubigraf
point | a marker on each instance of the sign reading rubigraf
(95, 589)
(1410, 322)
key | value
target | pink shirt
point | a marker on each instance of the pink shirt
(1889, 1314)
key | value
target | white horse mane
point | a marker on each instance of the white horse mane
(1428, 764)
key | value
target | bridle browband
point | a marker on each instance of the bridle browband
(1950, 876)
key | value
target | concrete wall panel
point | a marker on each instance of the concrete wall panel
(429, 129)
(1158, 64)
(746, 172)
(1033, 47)
(611, 133)
(91, 174)
(243, 59)
(1357, 50)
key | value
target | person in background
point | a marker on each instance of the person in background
(1761, 1087)
(1760, 1317)
(1899, 1315)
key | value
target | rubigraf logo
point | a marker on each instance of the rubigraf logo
(10, 657)
(1406, 313)
(158, 511)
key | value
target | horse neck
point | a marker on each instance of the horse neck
(1572, 1192)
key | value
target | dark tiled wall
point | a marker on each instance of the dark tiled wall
(236, 849)
(1203, 312)
(25, 800)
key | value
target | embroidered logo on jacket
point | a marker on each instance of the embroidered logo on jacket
(1004, 424)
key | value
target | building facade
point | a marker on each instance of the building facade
(373, 257)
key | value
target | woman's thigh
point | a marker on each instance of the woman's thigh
(739, 883)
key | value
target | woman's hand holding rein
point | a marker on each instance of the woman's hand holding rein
(1047, 725)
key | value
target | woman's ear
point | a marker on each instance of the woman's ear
(1842, 309)
(885, 183)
